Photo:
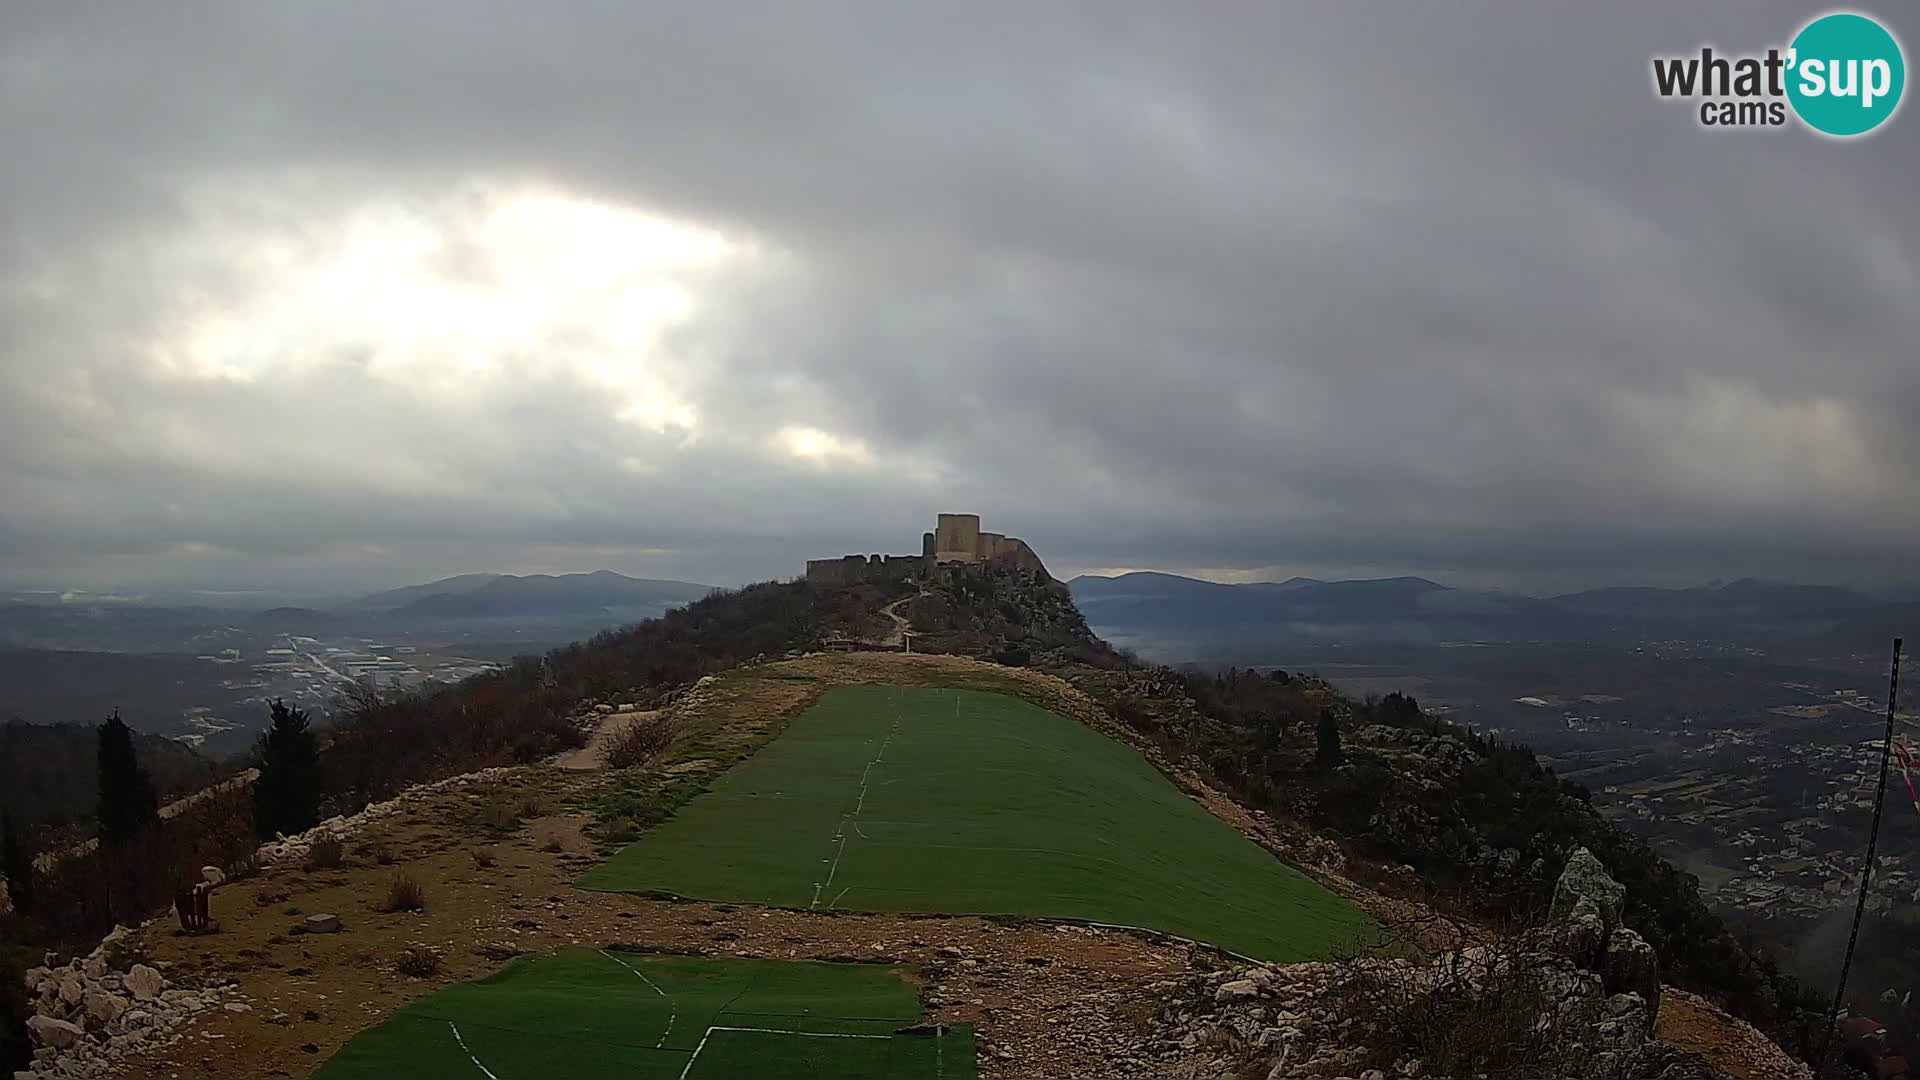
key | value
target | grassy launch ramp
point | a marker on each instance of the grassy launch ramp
(965, 802)
(593, 1015)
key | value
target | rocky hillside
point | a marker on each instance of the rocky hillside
(311, 947)
(1575, 999)
(1416, 806)
(1462, 846)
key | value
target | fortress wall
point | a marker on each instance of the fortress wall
(855, 569)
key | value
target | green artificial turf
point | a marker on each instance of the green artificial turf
(623, 1015)
(965, 802)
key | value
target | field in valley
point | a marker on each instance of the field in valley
(922, 800)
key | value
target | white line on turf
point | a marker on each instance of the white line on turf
(840, 833)
(673, 1011)
(476, 1061)
(767, 1031)
(836, 865)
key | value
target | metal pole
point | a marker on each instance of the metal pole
(1866, 872)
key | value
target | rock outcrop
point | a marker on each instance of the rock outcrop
(1575, 1000)
(103, 1007)
(1586, 922)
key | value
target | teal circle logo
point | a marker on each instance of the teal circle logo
(1846, 74)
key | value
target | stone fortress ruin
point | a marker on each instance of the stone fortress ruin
(955, 539)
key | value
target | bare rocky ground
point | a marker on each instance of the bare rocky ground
(1047, 999)
(1730, 1044)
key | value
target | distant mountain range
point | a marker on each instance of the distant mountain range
(538, 607)
(1167, 606)
(485, 596)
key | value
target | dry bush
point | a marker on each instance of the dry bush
(326, 853)
(1492, 1011)
(553, 845)
(498, 812)
(243, 866)
(380, 852)
(637, 744)
(419, 961)
(532, 806)
(482, 858)
(404, 894)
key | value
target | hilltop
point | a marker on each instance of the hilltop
(1438, 834)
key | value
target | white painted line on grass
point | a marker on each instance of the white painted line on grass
(859, 804)
(476, 1061)
(673, 1011)
(836, 864)
(765, 1031)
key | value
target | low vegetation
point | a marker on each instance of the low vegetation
(419, 961)
(327, 852)
(638, 743)
(404, 893)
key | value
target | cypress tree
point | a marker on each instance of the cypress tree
(1327, 732)
(286, 798)
(128, 803)
(18, 861)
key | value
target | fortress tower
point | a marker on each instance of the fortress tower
(956, 538)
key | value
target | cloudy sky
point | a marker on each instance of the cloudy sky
(333, 295)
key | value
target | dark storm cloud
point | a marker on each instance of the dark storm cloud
(1435, 290)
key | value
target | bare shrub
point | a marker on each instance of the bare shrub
(380, 852)
(1495, 1010)
(498, 812)
(419, 961)
(482, 858)
(326, 853)
(404, 894)
(532, 806)
(553, 845)
(637, 744)
(243, 866)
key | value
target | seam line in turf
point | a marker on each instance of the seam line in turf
(840, 834)
(673, 1010)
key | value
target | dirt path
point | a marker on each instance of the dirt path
(587, 758)
(900, 625)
